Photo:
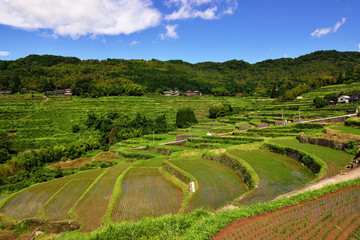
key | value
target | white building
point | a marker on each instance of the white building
(343, 99)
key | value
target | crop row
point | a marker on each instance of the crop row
(331, 217)
(145, 192)
(278, 175)
(217, 183)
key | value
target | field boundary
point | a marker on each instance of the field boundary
(242, 168)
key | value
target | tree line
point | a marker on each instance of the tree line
(285, 77)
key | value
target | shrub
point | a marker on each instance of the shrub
(220, 111)
(185, 117)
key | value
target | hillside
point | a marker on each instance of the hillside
(271, 78)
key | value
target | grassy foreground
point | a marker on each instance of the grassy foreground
(199, 224)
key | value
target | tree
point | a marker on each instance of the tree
(220, 111)
(5, 147)
(185, 117)
(220, 91)
(75, 128)
(320, 103)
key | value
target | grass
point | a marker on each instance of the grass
(217, 183)
(278, 175)
(146, 193)
(335, 160)
(92, 207)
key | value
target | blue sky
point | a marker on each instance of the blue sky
(190, 30)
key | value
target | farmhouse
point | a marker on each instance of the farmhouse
(171, 93)
(3, 92)
(343, 99)
(355, 98)
(193, 93)
(66, 92)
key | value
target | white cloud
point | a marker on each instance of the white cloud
(338, 24)
(205, 9)
(133, 43)
(80, 17)
(4, 53)
(359, 47)
(323, 31)
(285, 55)
(170, 32)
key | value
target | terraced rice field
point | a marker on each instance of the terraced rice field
(346, 129)
(61, 203)
(217, 183)
(336, 160)
(278, 175)
(91, 209)
(27, 203)
(333, 216)
(145, 192)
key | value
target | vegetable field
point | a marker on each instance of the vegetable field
(145, 192)
(217, 183)
(278, 175)
(333, 216)
(335, 160)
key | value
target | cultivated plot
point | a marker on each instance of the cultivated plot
(27, 203)
(278, 175)
(61, 203)
(333, 216)
(217, 183)
(146, 193)
(335, 160)
(91, 209)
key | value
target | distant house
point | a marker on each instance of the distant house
(240, 94)
(193, 93)
(355, 98)
(299, 98)
(171, 93)
(68, 92)
(59, 91)
(343, 99)
(3, 92)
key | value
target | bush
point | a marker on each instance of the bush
(75, 129)
(220, 111)
(185, 117)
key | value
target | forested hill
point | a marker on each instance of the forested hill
(270, 78)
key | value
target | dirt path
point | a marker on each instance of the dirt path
(46, 100)
(342, 177)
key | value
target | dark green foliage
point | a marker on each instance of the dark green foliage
(5, 146)
(134, 77)
(352, 122)
(75, 129)
(331, 97)
(185, 117)
(220, 111)
(220, 91)
(320, 103)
